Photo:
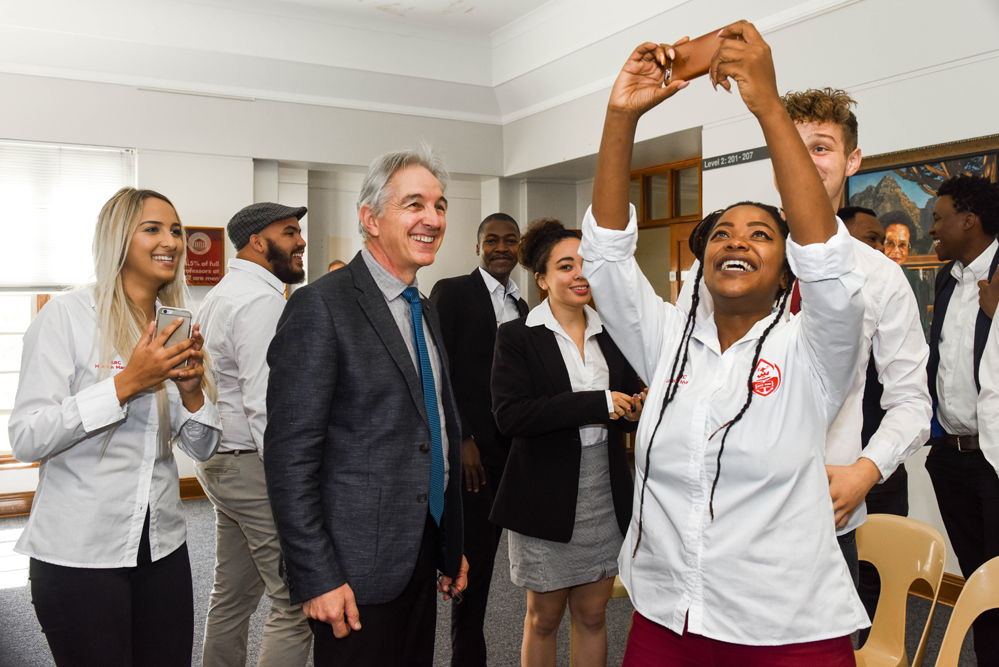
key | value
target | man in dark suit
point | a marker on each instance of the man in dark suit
(471, 307)
(362, 448)
(965, 224)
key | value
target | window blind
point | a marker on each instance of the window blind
(49, 200)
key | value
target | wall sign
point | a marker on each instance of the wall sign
(205, 252)
(732, 159)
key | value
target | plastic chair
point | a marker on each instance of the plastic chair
(903, 550)
(980, 593)
(618, 591)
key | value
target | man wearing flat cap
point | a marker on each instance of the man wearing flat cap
(238, 319)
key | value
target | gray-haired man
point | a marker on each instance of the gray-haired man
(363, 434)
(238, 318)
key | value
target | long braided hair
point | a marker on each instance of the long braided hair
(698, 243)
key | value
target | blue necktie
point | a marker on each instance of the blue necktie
(430, 401)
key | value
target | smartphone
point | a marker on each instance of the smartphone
(165, 316)
(693, 58)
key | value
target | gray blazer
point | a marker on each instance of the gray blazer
(347, 445)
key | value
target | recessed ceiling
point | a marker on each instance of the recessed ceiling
(481, 17)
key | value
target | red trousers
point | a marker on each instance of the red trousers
(652, 645)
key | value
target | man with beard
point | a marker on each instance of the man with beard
(471, 308)
(238, 319)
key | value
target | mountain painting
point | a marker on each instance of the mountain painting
(906, 195)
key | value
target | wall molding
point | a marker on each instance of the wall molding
(19, 504)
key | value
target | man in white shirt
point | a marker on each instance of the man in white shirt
(471, 308)
(892, 334)
(965, 224)
(238, 319)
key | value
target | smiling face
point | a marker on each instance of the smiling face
(156, 248)
(867, 229)
(897, 243)
(827, 147)
(497, 248)
(949, 229)
(563, 277)
(408, 233)
(744, 258)
(284, 248)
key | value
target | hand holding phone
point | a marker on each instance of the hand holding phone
(165, 316)
(154, 360)
(693, 58)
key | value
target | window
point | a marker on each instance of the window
(667, 199)
(49, 200)
(667, 194)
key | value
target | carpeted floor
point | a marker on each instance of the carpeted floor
(23, 645)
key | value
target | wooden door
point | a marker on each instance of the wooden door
(680, 256)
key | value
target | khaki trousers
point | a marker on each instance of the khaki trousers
(247, 553)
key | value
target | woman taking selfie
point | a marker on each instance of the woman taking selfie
(731, 556)
(564, 393)
(100, 404)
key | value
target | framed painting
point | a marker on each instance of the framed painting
(901, 188)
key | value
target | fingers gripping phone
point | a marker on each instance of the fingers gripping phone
(165, 316)
(693, 59)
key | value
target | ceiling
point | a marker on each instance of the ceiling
(480, 17)
(484, 61)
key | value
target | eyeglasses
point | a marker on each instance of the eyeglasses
(892, 245)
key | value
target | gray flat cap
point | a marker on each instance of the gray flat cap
(255, 217)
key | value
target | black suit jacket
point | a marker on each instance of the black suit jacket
(347, 444)
(944, 290)
(534, 403)
(468, 328)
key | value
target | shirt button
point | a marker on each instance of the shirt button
(424, 448)
(421, 497)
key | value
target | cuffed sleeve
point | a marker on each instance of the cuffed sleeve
(631, 311)
(832, 311)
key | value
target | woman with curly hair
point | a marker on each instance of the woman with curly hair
(564, 393)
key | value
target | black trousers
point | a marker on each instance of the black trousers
(118, 617)
(482, 537)
(399, 633)
(967, 491)
(890, 497)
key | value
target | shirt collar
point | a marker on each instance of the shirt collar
(541, 315)
(492, 285)
(389, 285)
(255, 269)
(979, 267)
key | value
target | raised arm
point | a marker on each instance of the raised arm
(638, 88)
(745, 58)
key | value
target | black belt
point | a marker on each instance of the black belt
(236, 452)
(963, 443)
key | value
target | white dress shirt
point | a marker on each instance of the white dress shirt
(988, 399)
(767, 570)
(89, 508)
(238, 319)
(892, 332)
(957, 394)
(504, 298)
(590, 374)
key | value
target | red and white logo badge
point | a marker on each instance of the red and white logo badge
(766, 379)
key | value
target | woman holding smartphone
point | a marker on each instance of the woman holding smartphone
(100, 404)
(564, 392)
(731, 557)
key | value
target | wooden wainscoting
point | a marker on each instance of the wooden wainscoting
(19, 504)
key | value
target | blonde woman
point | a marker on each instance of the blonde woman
(100, 404)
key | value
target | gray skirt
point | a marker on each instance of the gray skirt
(591, 555)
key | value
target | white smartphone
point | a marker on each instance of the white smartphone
(165, 316)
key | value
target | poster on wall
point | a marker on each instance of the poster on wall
(205, 252)
(901, 188)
